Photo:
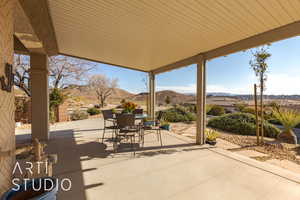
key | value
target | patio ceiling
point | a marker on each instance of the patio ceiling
(160, 35)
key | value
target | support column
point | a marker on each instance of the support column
(7, 108)
(201, 100)
(151, 95)
(39, 96)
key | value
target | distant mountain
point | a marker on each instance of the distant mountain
(84, 93)
(175, 97)
(215, 94)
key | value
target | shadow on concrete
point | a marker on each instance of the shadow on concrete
(71, 151)
(87, 130)
(167, 149)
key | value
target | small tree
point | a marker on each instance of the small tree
(56, 98)
(21, 78)
(167, 100)
(103, 87)
(260, 67)
(65, 70)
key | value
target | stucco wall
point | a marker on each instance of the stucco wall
(7, 125)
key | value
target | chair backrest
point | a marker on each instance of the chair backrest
(107, 114)
(138, 111)
(160, 115)
(125, 120)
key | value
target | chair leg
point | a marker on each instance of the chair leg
(143, 138)
(133, 145)
(159, 132)
(131, 142)
(115, 142)
(103, 135)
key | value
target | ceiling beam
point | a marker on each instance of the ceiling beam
(274, 35)
(19, 48)
(106, 63)
(38, 15)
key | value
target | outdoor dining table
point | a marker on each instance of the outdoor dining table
(137, 116)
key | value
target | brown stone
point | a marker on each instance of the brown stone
(288, 136)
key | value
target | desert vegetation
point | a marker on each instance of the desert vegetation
(241, 123)
(179, 114)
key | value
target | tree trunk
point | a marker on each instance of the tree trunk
(262, 108)
(256, 114)
(102, 102)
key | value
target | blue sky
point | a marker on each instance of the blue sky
(231, 73)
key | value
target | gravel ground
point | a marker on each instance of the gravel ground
(273, 148)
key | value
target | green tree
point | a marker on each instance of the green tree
(259, 65)
(56, 98)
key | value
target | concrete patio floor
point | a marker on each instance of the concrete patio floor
(179, 170)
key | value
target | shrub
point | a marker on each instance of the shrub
(248, 110)
(178, 114)
(79, 115)
(287, 117)
(93, 111)
(208, 108)
(211, 135)
(267, 112)
(167, 100)
(240, 106)
(216, 110)
(56, 97)
(241, 123)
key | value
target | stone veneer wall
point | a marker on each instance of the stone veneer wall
(7, 123)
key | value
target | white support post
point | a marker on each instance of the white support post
(151, 100)
(201, 101)
(39, 96)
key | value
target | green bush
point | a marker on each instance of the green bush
(56, 97)
(267, 113)
(216, 110)
(277, 122)
(241, 123)
(79, 115)
(93, 111)
(178, 114)
(240, 106)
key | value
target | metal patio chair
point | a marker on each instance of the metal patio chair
(154, 127)
(108, 117)
(127, 129)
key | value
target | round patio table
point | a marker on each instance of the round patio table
(137, 116)
(141, 116)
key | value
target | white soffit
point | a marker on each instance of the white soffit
(148, 34)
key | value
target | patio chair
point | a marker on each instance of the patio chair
(154, 127)
(127, 128)
(108, 116)
(138, 111)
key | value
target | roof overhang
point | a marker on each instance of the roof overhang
(156, 36)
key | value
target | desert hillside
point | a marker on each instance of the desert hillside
(85, 95)
(175, 97)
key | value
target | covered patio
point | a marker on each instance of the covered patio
(149, 36)
(178, 170)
